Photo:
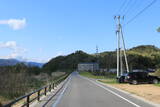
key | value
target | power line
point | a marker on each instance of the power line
(154, 1)
(134, 8)
(133, 4)
(121, 7)
(126, 6)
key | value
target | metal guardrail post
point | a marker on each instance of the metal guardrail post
(53, 85)
(28, 101)
(38, 95)
(45, 91)
(50, 87)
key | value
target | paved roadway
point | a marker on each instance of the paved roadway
(83, 92)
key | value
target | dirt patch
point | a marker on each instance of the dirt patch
(147, 91)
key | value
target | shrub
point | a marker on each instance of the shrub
(157, 73)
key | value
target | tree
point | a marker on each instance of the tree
(68, 62)
(158, 30)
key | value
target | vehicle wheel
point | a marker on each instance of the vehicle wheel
(134, 82)
(155, 81)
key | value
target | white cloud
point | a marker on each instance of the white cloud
(9, 44)
(15, 24)
(16, 50)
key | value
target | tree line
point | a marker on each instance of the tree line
(140, 57)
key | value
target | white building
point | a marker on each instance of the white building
(88, 66)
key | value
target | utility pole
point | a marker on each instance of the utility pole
(97, 52)
(97, 55)
(120, 47)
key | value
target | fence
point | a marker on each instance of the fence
(38, 93)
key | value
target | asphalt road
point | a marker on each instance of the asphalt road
(83, 92)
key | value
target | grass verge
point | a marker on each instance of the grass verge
(157, 85)
(104, 79)
(109, 81)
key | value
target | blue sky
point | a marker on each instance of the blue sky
(39, 30)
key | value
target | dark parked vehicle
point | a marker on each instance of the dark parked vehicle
(141, 77)
(122, 78)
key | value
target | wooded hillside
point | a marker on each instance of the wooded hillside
(140, 57)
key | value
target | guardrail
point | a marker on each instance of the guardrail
(38, 93)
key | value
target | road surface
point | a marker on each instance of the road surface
(83, 92)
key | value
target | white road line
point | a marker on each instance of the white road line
(111, 92)
(61, 94)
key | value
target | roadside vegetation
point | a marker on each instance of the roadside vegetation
(109, 78)
(18, 80)
(109, 81)
(157, 85)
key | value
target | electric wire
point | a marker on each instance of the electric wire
(126, 6)
(140, 12)
(134, 9)
(133, 5)
(121, 7)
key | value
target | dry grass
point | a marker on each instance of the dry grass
(22, 102)
(3, 100)
(147, 91)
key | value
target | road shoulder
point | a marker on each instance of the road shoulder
(129, 93)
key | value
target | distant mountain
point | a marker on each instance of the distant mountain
(11, 62)
(8, 62)
(34, 64)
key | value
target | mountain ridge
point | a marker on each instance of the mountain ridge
(139, 57)
(12, 62)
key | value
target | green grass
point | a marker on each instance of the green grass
(110, 79)
(157, 85)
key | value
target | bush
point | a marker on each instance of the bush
(158, 29)
(157, 73)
